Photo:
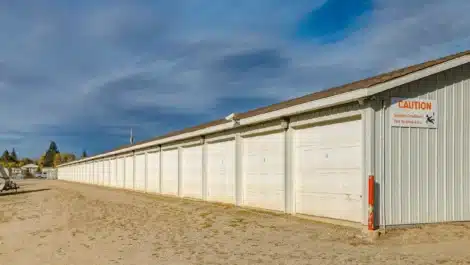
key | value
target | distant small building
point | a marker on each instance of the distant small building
(31, 168)
(17, 176)
(49, 172)
(16, 170)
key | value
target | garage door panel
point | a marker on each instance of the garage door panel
(120, 172)
(140, 172)
(331, 205)
(333, 158)
(263, 166)
(113, 173)
(105, 173)
(328, 163)
(95, 173)
(221, 171)
(192, 171)
(323, 182)
(101, 173)
(153, 172)
(170, 172)
(129, 173)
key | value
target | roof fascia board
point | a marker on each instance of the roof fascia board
(418, 75)
(307, 107)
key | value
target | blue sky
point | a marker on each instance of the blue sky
(83, 72)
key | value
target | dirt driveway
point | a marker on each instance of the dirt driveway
(55, 222)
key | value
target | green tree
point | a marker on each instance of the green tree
(84, 154)
(26, 161)
(50, 156)
(61, 158)
(53, 147)
(13, 155)
(68, 157)
(5, 157)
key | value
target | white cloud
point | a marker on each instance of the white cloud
(107, 69)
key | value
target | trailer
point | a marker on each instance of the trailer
(5, 181)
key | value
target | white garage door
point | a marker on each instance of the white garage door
(153, 172)
(170, 172)
(85, 173)
(112, 173)
(95, 173)
(140, 172)
(192, 171)
(120, 172)
(78, 172)
(102, 178)
(90, 173)
(328, 170)
(129, 178)
(221, 171)
(106, 173)
(263, 168)
(100, 172)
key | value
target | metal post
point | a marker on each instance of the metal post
(371, 224)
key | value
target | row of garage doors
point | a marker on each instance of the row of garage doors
(326, 168)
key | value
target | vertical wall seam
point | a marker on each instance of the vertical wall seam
(160, 170)
(146, 171)
(436, 157)
(400, 177)
(288, 174)
(382, 165)
(204, 169)
(453, 150)
(239, 175)
(462, 163)
(389, 174)
(180, 171)
(409, 202)
(418, 172)
(445, 149)
(428, 157)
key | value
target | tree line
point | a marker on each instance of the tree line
(51, 158)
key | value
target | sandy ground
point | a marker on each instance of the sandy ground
(54, 222)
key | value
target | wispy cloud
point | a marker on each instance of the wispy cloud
(83, 73)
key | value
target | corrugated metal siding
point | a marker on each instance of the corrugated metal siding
(427, 174)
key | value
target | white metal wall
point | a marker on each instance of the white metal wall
(424, 174)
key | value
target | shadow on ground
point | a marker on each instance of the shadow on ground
(7, 193)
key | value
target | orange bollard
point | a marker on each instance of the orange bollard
(371, 225)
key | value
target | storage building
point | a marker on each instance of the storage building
(313, 155)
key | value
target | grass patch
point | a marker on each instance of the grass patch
(208, 223)
(237, 222)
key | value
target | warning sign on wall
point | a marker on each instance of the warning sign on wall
(413, 113)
